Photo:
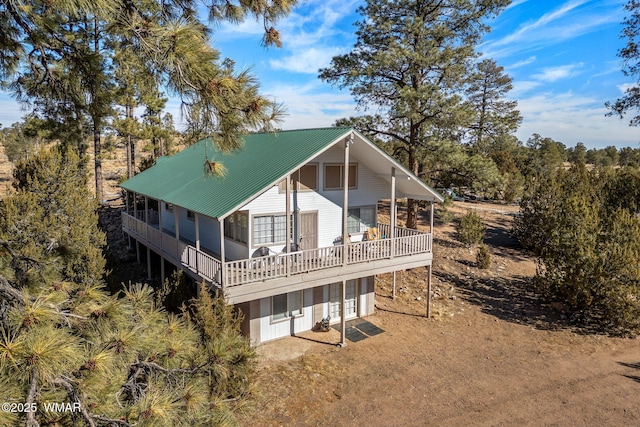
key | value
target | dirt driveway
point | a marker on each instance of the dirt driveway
(491, 355)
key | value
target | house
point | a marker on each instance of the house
(290, 232)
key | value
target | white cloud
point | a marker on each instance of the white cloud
(529, 60)
(571, 118)
(10, 111)
(520, 87)
(625, 86)
(567, 22)
(552, 74)
(311, 104)
(307, 61)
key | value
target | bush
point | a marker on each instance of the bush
(588, 245)
(483, 257)
(471, 229)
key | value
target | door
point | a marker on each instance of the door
(308, 230)
(350, 303)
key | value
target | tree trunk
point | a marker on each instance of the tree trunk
(412, 205)
(97, 148)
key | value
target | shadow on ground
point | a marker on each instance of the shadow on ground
(510, 300)
(636, 366)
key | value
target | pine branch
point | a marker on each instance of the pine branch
(31, 397)
(88, 416)
(9, 293)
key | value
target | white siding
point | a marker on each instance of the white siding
(271, 330)
(327, 204)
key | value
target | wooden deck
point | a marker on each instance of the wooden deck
(248, 279)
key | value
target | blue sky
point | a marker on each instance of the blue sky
(561, 56)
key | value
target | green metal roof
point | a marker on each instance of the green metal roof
(265, 159)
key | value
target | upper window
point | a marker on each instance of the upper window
(269, 229)
(361, 218)
(191, 215)
(236, 227)
(285, 306)
(168, 206)
(304, 179)
(334, 176)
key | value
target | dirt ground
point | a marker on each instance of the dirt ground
(490, 355)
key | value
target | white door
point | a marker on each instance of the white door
(350, 303)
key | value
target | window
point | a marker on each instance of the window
(334, 176)
(191, 215)
(306, 176)
(236, 227)
(168, 206)
(285, 306)
(360, 219)
(269, 229)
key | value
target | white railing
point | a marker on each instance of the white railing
(197, 261)
(407, 242)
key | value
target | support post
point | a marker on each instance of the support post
(135, 206)
(287, 212)
(160, 215)
(176, 222)
(287, 220)
(393, 294)
(223, 272)
(345, 201)
(392, 219)
(429, 293)
(146, 210)
(148, 263)
(137, 251)
(162, 273)
(197, 227)
(343, 318)
(431, 221)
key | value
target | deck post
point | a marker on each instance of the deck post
(176, 221)
(148, 263)
(287, 214)
(162, 273)
(137, 251)
(392, 216)
(197, 226)
(160, 215)
(343, 321)
(393, 293)
(223, 269)
(345, 201)
(429, 292)
(135, 206)
(431, 221)
(146, 210)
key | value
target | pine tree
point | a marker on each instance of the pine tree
(495, 117)
(410, 62)
(121, 358)
(61, 61)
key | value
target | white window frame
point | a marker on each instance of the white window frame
(362, 226)
(235, 219)
(294, 303)
(275, 236)
(341, 183)
(296, 176)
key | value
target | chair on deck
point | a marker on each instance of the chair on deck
(372, 234)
